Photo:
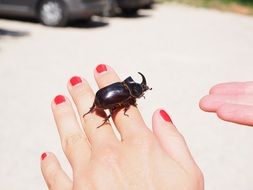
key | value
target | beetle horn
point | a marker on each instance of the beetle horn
(143, 83)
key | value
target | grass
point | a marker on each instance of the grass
(238, 6)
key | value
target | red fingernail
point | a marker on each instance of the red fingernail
(43, 156)
(165, 116)
(101, 68)
(59, 99)
(75, 80)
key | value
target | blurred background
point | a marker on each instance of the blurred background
(183, 47)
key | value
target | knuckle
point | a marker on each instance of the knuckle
(109, 156)
(146, 140)
(72, 141)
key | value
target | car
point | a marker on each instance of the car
(128, 7)
(150, 5)
(53, 12)
(132, 6)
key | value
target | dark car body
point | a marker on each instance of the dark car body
(73, 8)
(127, 6)
(133, 4)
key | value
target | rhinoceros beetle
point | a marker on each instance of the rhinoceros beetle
(119, 95)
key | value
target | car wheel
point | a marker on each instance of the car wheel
(149, 6)
(113, 8)
(129, 12)
(53, 13)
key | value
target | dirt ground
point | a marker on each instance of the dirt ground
(182, 51)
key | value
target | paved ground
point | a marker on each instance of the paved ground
(182, 51)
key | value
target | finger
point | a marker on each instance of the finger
(240, 114)
(171, 140)
(53, 174)
(233, 88)
(212, 102)
(83, 96)
(126, 125)
(73, 140)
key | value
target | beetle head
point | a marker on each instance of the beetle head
(137, 90)
(144, 83)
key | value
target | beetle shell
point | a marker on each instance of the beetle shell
(111, 96)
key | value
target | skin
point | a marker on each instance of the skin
(231, 102)
(100, 160)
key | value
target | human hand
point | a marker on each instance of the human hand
(231, 101)
(140, 160)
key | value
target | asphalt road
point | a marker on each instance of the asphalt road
(183, 51)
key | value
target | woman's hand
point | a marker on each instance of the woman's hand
(140, 160)
(231, 101)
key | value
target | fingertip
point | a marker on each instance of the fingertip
(102, 69)
(214, 89)
(204, 103)
(165, 116)
(220, 112)
(222, 88)
(105, 75)
(52, 172)
(49, 163)
(171, 139)
(61, 105)
(161, 119)
(76, 85)
(58, 100)
(45, 156)
(226, 112)
(48, 160)
(75, 82)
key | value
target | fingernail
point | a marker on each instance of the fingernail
(43, 156)
(59, 99)
(165, 116)
(75, 80)
(101, 68)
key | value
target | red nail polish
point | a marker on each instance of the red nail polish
(75, 80)
(59, 99)
(43, 156)
(165, 116)
(101, 68)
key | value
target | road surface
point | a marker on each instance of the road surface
(183, 51)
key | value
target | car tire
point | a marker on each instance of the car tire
(53, 13)
(149, 6)
(113, 8)
(129, 11)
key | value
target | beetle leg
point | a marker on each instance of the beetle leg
(134, 102)
(105, 120)
(91, 110)
(125, 110)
